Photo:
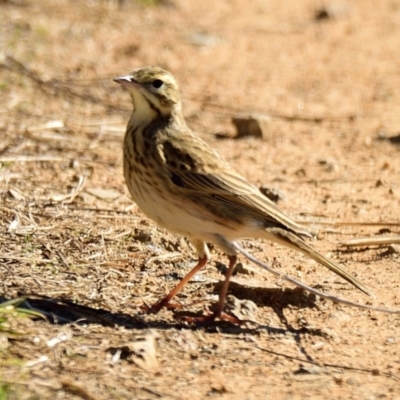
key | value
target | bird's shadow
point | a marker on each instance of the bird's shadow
(64, 311)
(277, 299)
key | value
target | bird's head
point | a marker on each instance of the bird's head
(152, 88)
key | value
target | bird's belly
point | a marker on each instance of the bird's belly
(153, 202)
(166, 212)
(182, 216)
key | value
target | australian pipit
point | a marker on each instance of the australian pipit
(181, 183)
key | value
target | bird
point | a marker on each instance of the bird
(186, 187)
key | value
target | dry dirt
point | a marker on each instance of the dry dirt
(328, 76)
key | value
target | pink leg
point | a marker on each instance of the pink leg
(165, 302)
(219, 313)
(220, 306)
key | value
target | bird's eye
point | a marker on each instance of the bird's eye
(157, 83)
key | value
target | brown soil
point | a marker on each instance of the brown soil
(327, 74)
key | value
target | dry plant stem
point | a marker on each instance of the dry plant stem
(308, 288)
(348, 223)
(371, 241)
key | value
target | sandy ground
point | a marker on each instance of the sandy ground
(327, 76)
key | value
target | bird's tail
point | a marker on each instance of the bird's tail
(295, 242)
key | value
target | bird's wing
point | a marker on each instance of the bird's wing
(218, 185)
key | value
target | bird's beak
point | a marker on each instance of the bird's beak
(126, 80)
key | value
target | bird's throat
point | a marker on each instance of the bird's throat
(143, 112)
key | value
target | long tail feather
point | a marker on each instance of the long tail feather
(289, 239)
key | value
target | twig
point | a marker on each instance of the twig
(370, 241)
(31, 382)
(76, 389)
(348, 223)
(36, 280)
(168, 256)
(22, 158)
(151, 391)
(326, 365)
(63, 260)
(53, 87)
(308, 288)
(27, 259)
(69, 198)
(278, 115)
(44, 157)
